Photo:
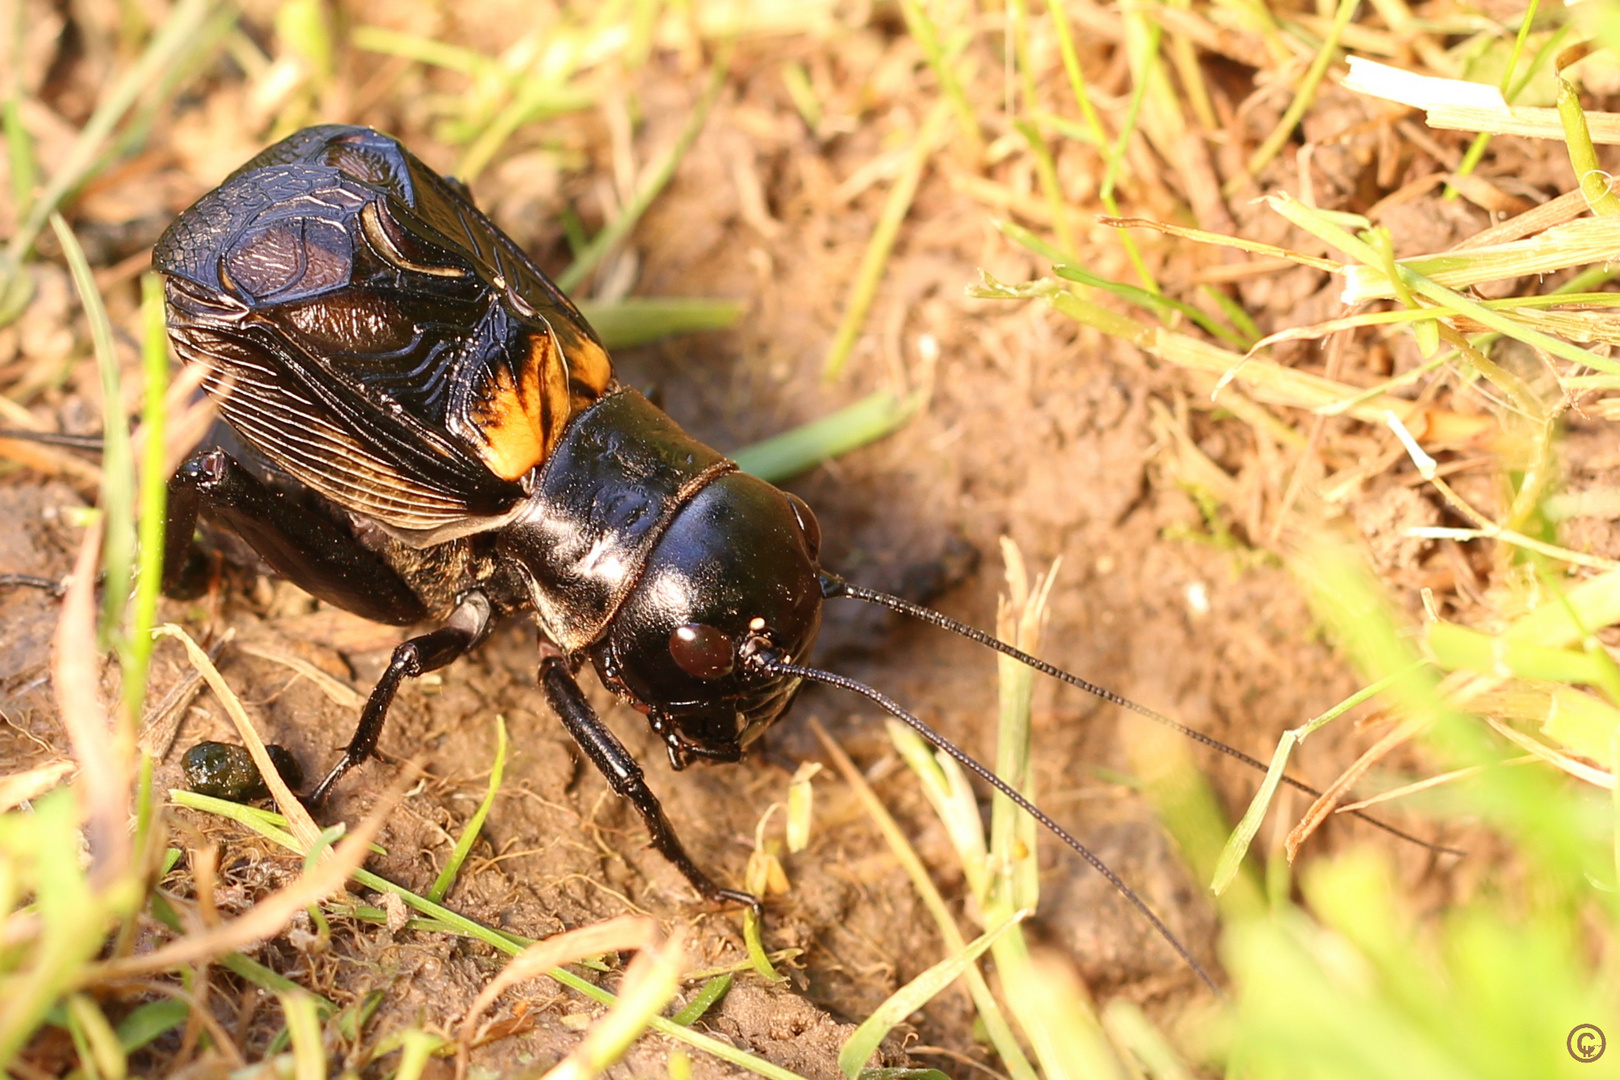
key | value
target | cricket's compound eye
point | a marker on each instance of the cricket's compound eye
(703, 652)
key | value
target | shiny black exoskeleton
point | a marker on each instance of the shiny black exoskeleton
(419, 426)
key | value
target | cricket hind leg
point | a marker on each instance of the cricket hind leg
(287, 529)
(285, 526)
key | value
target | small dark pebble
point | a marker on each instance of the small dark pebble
(226, 771)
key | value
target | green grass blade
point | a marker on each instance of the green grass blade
(637, 321)
(620, 227)
(792, 452)
(118, 479)
(19, 155)
(168, 48)
(1589, 173)
(1305, 92)
(304, 1032)
(1458, 647)
(416, 1050)
(537, 99)
(469, 832)
(1157, 303)
(942, 59)
(424, 50)
(703, 1001)
(151, 1021)
(153, 489)
(864, 288)
(71, 915)
(100, 1053)
(858, 1049)
(755, 944)
(1323, 227)
(1237, 846)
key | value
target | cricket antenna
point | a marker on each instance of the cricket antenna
(767, 661)
(90, 444)
(833, 586)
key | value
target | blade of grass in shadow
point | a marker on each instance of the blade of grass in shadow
(792, 452)
(651, 186)
(469, 832)
(1236, 314)
(151, 1021)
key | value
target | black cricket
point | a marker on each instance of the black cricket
(420, 427)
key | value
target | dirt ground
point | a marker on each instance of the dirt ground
(1057, 439)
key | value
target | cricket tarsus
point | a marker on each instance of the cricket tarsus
(834, 586)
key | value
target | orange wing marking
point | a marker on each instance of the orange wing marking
(522, 418)
(590, 372)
